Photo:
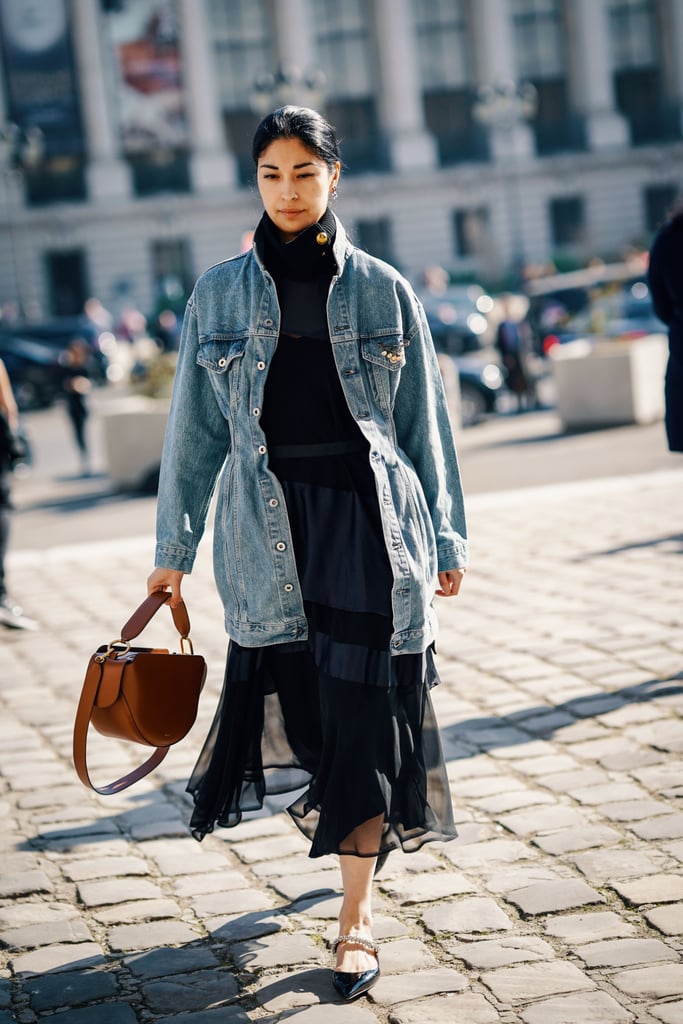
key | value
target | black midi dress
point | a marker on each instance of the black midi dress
(335, 715)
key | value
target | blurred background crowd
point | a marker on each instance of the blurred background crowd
(513, 158)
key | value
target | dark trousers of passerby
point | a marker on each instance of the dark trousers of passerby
(5, 513)
(78, 414)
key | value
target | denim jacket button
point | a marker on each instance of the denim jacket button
(281, 546)
(289, 587)
(222, 361)
(262, 449)
(273, 503)
(268, 322)
(257, 412)
(260, 365)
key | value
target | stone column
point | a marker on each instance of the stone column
(294, 42)
(211, 165)
(591, 75)
(672, 42)
(108, 176)
(399, 99)
(495, 63)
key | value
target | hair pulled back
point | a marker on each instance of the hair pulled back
(302, 123)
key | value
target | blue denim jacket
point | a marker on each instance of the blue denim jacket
(390, 377)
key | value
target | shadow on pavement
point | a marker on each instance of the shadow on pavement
(670, 540)
(207, 974)
(475, 735)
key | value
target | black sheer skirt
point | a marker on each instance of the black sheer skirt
(336, 713)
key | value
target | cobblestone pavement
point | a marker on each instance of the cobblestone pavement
(560, 707)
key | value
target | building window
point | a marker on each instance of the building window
(375, 237)
(539, 38)
(243, 51)
(567, 221)
(658, 200)
(149, 91)
(444, 53)
(343, 52)
(470, 231)
(67, 281)
(636, 60)
(162, 170)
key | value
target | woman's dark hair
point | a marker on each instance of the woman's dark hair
(301, 123)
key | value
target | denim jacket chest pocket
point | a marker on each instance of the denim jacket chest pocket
(221, 355)
(384, 357)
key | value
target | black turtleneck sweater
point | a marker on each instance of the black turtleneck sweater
(303, 402)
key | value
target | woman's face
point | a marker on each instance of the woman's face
(295, 185)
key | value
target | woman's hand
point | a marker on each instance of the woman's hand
(166, 579)
(450, 581)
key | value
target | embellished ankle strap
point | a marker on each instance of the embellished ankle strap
(368, 944)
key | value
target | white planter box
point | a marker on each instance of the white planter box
(133, 431)
(607, 383)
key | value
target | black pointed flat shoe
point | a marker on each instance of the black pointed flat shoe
(352, 984)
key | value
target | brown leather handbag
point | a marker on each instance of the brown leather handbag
(142, 694)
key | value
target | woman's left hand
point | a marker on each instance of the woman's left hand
(450, 581)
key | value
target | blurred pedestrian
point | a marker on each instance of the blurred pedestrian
(11, 614)
(666, 286)
(513, 341)
(76, 384)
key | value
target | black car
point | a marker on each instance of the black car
(31, 352)
(481, 385)
(56, 334)
(34, 371)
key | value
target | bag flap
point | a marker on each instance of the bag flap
(110, 681)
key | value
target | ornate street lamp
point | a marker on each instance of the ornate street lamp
(21, 150)
(288, 85)
(501, 108)
(505, 105)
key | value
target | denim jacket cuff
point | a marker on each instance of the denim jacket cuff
(168, 556)
(452, 556)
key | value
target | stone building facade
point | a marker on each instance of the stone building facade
(477, 134)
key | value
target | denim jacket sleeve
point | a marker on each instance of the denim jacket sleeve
(195, 448)
(423, 431)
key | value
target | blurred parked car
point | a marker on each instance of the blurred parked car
(457, 317)
(56, 334)
(625, 315)
(32, 351)
(481, 386)
(33, 369)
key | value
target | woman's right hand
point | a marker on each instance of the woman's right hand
(166, 579)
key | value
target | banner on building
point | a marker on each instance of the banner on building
(146, 42)
(40, 81)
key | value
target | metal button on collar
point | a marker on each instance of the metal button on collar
(281, 546)
(260, 365)
(262, 449)
(273, 503)
(289, 587)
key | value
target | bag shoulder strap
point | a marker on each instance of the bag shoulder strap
(83, 715)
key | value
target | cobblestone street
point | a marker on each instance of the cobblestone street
(561, 712)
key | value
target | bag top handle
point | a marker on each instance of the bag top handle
(149, 607)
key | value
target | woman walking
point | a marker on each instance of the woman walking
(306, 374)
